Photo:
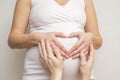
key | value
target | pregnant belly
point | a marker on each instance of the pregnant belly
(34, 67)
(71, 67)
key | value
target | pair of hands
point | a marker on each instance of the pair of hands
(81, 46)
(53, 62)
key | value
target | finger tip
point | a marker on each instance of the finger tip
(69, 51)
(69, 55)
(66, 51)
(73, 58)
(70, 37)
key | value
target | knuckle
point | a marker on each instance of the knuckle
(81, 40)
(45, 59)
(49, 56)
(63, 54)
(83, 64)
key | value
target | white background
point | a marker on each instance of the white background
(107, 59)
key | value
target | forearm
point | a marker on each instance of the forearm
(20, 41)
(96, 40)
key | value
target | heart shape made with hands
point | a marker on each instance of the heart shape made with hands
(68, 43)
(75, 43)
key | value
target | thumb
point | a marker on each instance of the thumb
(59, 34)
(74, 34)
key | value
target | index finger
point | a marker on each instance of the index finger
(40, 50)
(60, 45)
(49, 50)
(76, 45)
(59, 34)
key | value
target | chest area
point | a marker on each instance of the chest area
(45, 11)
(69, 7)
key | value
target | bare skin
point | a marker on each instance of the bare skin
(91, 32)
(86, 63)
(53, 63)
(62, 2)
(18, 37)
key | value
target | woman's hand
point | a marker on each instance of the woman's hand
(52, 38)
(86, 63)
(53, 63)
(81, 45)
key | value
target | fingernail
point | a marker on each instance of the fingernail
(70, 54)
(67, 57)
(67, 52)
(73, 58)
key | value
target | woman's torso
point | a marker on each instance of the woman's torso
(49, 16)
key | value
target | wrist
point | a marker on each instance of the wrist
(85, 77)
(57, 75)
(95, 38)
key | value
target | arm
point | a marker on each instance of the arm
(91, 33)
(17, 37)
(91, 26)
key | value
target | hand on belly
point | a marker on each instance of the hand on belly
(71, 67)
